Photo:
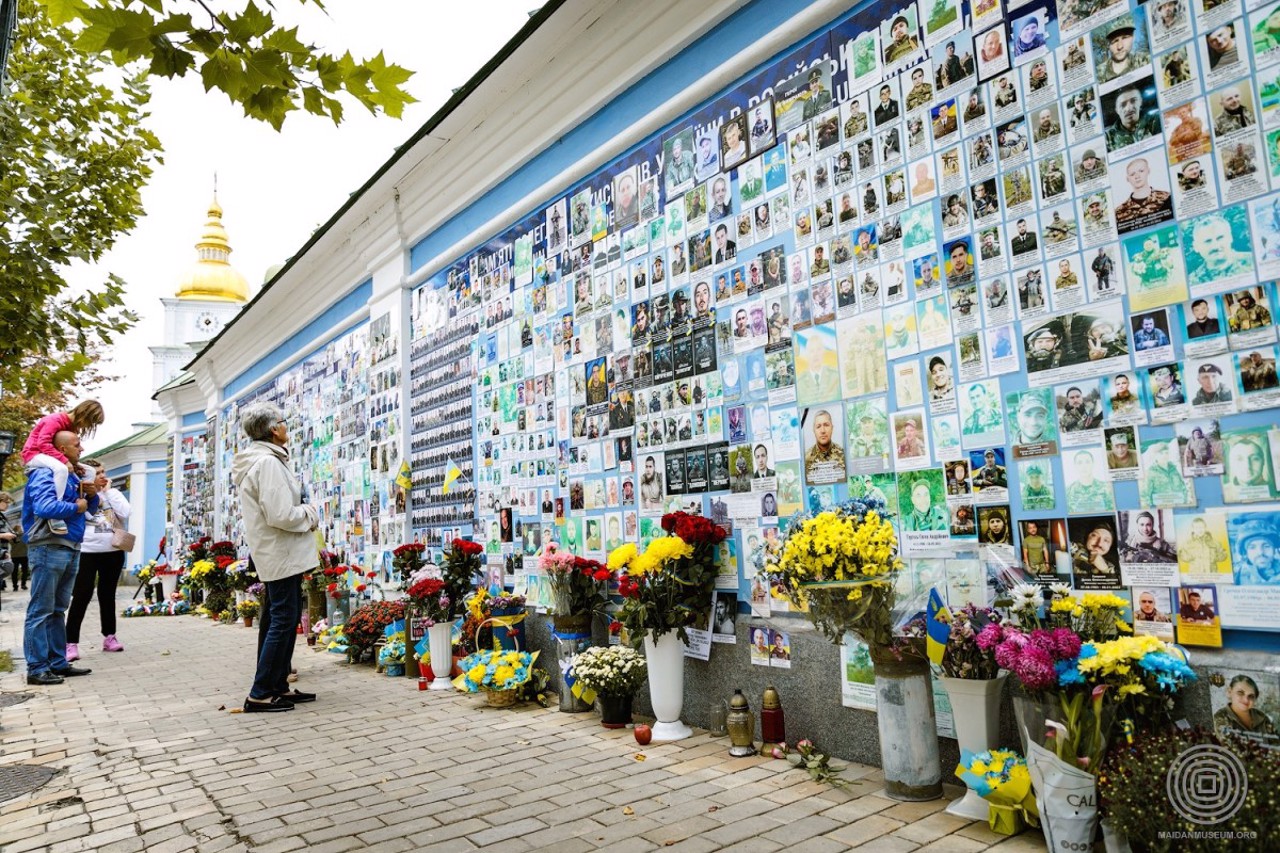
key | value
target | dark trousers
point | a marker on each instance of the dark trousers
(281, 610)
(102, 570)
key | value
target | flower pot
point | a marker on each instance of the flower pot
(566, 648)
(975, 706)
(509, 637)
(615, 711)
(499, 698)
(1030, 714)
(907, 726)
(666, 685)
(440, 643)
(248, 621)
(169, 583)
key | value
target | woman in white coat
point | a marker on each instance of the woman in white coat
(101, 564)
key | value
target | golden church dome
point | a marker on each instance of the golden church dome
(213, 277)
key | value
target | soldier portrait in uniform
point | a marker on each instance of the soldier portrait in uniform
(823, 430)
(1218, 246)
(1088, 489)
(922, 501)
(1247, 309)
(1030, 422)
(1131, 116)
(1232, 109)
(1141, 187)
(1120, 49)
(899, 37)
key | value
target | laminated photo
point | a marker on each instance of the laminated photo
(1131, 118)
(981, 415)
(1121, 50)
(1255, 370)
(1053, 178)
(992, 52)
(1088, 483)
(966, 316)
(1247, 475)
(1197, 622)
(1152, 343)
(867, 428)
(1199, 447)
(1264, 35)
(1075, 62)
(1224, 54)
(1168, 394)
(1195, 186)
(1006, 97)
(1043, 545)
(1024, 241)
(1217, 247)
(1079, 16)
(943, 21)
(1215, 394)
(992, 259)
(923, 519)
(906, 384)
(900, 39)
(900, 331)
(975, 113)
(1079, 412)
(1170, 23)
(997, 304)
(1241, 172)
(1203, 557)
(1035, 478)
(989, 476)
(946, 437)
(1178, 74)
(910, 440)
(1160, 479)
(888, 104)
(1246, 705)
(1089, 165)
(1148, 549)
(1076, 345)
(1255, 547)
(1250, 315)
(1032, 429)
(1013, 143)
(1040, 84)
(1154, 269)
(1001, 349)
(972, 361)
(1094, 552)
(1068, 283)
(1153, 611)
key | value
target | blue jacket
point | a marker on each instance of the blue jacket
(40, 500)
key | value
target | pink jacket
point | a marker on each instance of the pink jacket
(41, 438)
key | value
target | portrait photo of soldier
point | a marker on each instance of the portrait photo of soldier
(1217, 246)
(1120, 49)
(1131, 116)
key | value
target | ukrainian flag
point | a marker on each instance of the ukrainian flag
(938, 627)
(450, 476)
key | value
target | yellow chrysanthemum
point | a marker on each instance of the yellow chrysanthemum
(621, 556)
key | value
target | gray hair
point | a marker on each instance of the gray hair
(259, 419)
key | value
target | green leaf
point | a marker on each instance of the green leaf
(250, 24)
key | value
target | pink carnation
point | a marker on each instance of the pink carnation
(989, 637)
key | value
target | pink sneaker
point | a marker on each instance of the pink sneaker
(111, 644)
(73, 652)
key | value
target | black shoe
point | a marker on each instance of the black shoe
(71, 671)
(297, 696)
(275, 703)
(44, 678)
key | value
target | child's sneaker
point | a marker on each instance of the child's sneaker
(111, 644)
(73, 652)
(58, 527)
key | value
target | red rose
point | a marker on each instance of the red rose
(332, 587)
(361, 588)
(602, 575)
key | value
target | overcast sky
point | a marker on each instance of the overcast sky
(277, 188)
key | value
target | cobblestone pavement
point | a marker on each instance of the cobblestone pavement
(148, 757)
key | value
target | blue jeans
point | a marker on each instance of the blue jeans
(280, 617)
(44, 637)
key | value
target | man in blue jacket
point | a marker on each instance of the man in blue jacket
(54, 560)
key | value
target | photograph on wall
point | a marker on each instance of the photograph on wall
(1247, 475)
(1148, 553)
(1088, 484)
(823, 433)
(1131, 117)
(1032, 429)
(1036, 487)
(1077, 344)
(923, 519)
(867, 431)
(1254, 537)
(1198, 622)
(992, 51)
(1200, 447)
(900, 38)
(910, 440)
(1153, 611)
(1095, 557)
(1154, 269)
(1246, 705)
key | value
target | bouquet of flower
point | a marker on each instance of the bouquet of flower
(505, 601)
(336, 585)
(239, 575)
(429, 597)
(669, 586)
(146, 573)
(407, 560)
(248, 609)
(579, 586)
(610, 670)
(1001, 778)
(1032, 656)
(461, 565)
(1093, 616)
(198, 550)
(816, 763)
(963, 656)
(365, 627)
(495, 671)
(392, 652)
(842, 564)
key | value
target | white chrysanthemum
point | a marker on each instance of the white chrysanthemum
(1026, 596)
(1059, 590)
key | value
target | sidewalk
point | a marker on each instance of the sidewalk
(149, 757)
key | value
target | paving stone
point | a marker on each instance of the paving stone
(376, 765)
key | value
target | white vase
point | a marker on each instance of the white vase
(169, 583)
(666, 685)
(975, 707)
(440, 644)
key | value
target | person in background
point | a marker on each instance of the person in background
(40, 451)
(278, 529)
(10, 539)
(100, 563)
(55, 558)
